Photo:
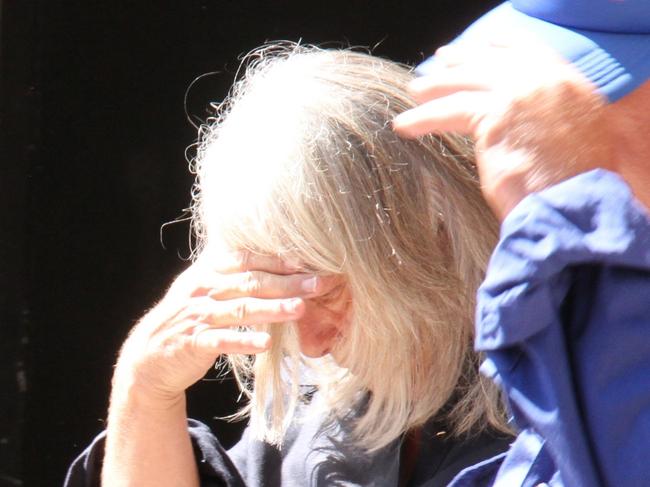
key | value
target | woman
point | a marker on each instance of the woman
(336, 268)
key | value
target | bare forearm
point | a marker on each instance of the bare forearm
(147, 442)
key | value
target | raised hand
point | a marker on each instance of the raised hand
(535, 119)
(147, 442)
(198, 319)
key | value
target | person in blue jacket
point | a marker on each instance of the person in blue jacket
(556, 94)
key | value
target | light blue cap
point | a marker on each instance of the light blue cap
(608, 40)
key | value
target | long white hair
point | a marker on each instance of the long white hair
(301, 162)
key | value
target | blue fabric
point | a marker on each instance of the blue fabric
(608, 41)
(628, 16)
(564, 319)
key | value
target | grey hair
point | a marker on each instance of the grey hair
(301, 162)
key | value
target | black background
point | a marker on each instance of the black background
(93, 165)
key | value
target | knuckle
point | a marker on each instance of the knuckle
(252, 283)
(241, 311)
(187, 341)
(242, 258)
(200, 346)
(169, 346)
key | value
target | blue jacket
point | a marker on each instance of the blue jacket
(564, 320)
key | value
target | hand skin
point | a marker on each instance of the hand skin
(535, 119)
(176, 343)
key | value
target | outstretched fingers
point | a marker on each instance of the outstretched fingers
(257, 284)
(246, 260)
(214, 341)
(242, 311)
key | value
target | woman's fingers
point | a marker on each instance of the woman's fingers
(229, 262)
(196, 321)
(241, 274)
(241, 311)
(258, 284)
(213, 342)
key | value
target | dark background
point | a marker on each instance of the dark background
(93, 165)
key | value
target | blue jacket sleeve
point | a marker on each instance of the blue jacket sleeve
(564, 319)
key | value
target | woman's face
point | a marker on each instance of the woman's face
(325, 320)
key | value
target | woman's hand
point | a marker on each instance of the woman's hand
(147, 443)
(177, 341)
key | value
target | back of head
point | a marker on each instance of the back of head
(302, 162)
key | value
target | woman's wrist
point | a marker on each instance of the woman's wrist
(132, 392)
(147, 441)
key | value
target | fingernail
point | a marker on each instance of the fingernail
(309, 285)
